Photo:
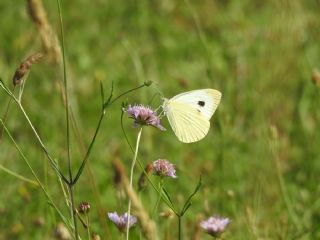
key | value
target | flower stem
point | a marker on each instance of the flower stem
(131, 178)
(167, 202)
(103, 113)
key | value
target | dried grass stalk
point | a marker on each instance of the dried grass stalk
(148, 226)
(49, 39)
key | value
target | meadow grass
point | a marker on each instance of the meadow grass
(260, 162)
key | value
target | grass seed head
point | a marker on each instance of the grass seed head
(25, 67)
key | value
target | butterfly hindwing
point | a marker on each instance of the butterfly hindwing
(187, 123)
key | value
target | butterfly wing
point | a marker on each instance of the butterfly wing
(205, 100)
(189, 113)
(187, 123)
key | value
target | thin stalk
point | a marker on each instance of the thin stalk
(88, 226)
(168, 203)
(158, 197)
(145, 84)
(35, 175)
(103, 112)
(131, 178)
(180, 227)
(52, 162)
(3, 168)
(70, 184)
(91, 177)
(21, 87)
(65, 88)
(73, 211)
(86, 157)
(5, 116)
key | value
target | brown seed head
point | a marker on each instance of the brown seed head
(24, 68)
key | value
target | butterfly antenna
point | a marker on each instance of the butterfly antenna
(158, 93)
(152, 98)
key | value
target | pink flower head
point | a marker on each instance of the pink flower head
(84, 207)
(215, 225)
(144, 116)
(163, 168)
(121, 221)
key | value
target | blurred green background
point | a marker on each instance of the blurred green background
(260, 162)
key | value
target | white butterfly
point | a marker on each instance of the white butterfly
(189, 113)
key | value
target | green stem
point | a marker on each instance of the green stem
(70, 184)
(52, 162)
(158, 197)
(131, 178)
(65, 90)
(35, 175)
(73, 211)
(88, 226)
(180, 227)
(18, 175)
(103, 112)
(5, 116)
(85, 159)
(145, 84)
(167, 202)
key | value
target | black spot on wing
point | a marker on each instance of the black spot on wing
(201, 103)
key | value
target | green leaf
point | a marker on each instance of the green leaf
(109, 98)
(188, 202)
(167, 196)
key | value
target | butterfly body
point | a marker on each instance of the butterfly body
(189, 113)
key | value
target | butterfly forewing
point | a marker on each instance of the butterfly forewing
(205, 100)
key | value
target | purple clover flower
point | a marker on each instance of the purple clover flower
(121, 221)
(143, 115)
(163, 168)
(215, 225)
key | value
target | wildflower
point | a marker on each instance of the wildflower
(215, 225)
(121, 221)
(84, 207)
(163, 168)
(144, 116)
